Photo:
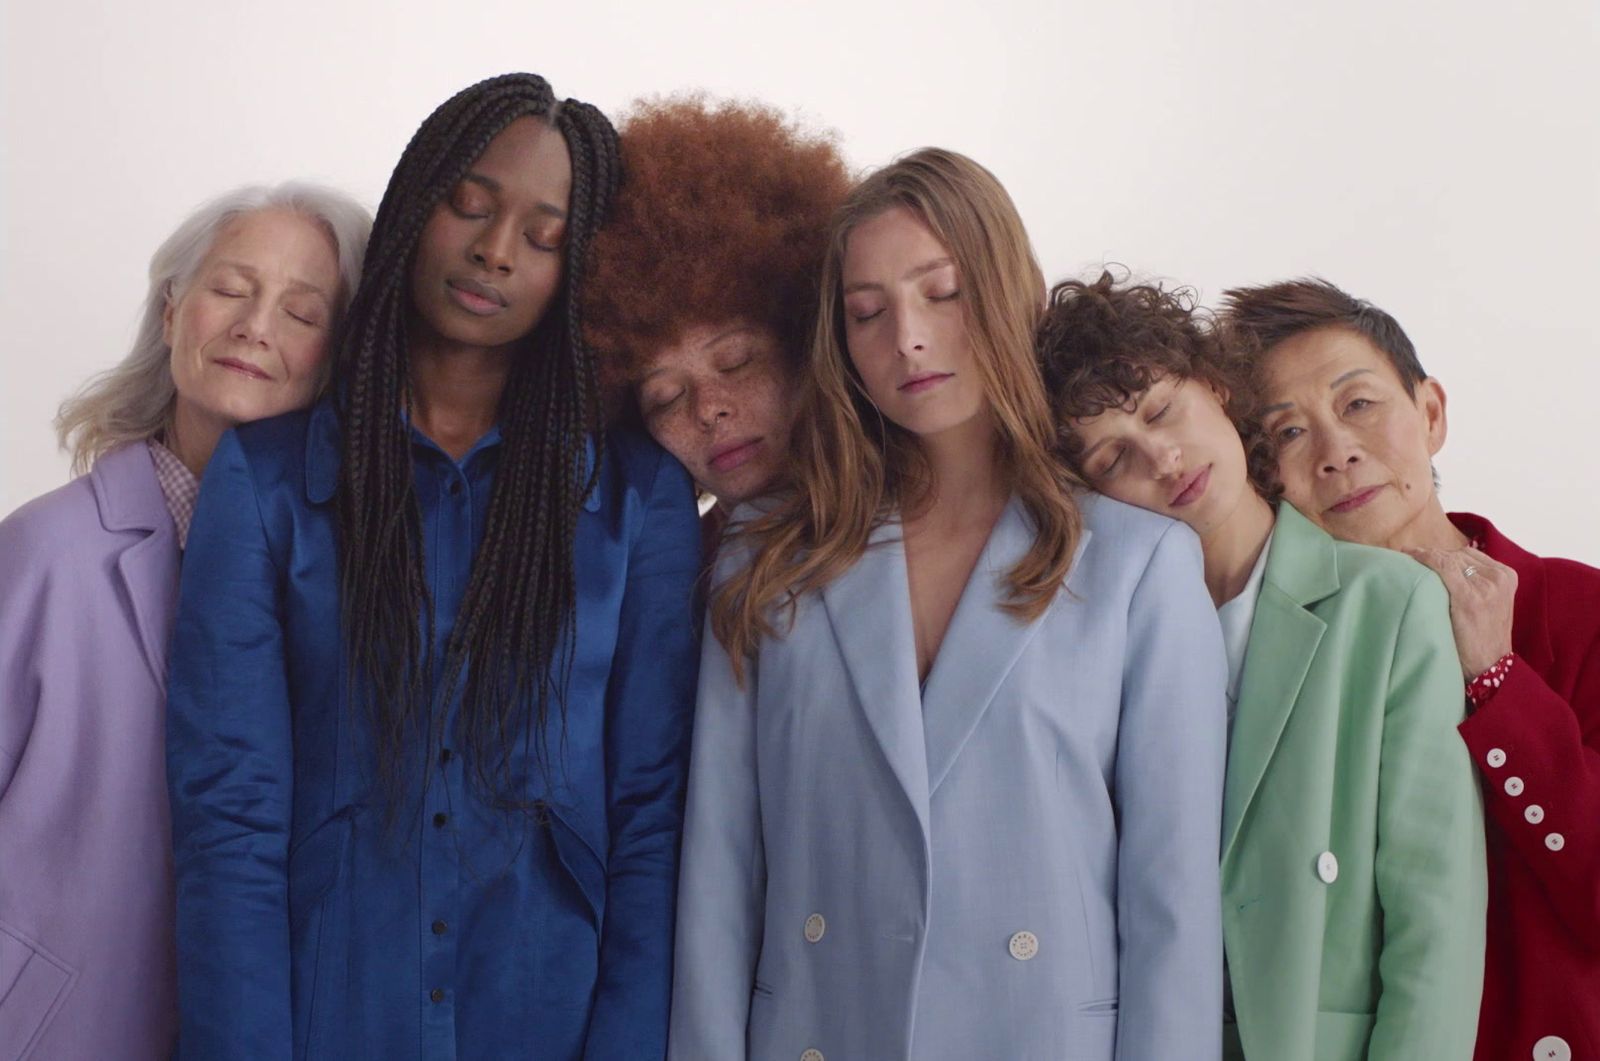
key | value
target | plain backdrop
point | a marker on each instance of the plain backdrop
(1439, 159)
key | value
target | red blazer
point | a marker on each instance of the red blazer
(1537, 746)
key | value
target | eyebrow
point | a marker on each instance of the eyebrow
(495, 186)
(254, 273)
(921, 270)
(1281, 406)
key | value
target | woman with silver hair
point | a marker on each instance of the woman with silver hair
(243, 300)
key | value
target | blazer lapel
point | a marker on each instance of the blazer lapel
(130, 499)
(981, 645)
(869, 608)
(1284, 635)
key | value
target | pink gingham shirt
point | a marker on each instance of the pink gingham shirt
(179, 485)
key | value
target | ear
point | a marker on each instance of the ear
(1223, 394)
(166, 319)
(1430, 401)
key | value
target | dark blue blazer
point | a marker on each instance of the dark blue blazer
(315, 919)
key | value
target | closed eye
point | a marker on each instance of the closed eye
(311, 322)
(227, 293)
(862, 318)
(661, 405)
(1160, 414)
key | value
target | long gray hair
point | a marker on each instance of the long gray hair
(134, 400)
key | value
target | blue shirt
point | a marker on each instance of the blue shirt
(314, 919)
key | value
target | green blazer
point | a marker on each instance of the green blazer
(1353, 876)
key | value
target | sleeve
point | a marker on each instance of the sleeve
(1430, 863)
(22, 603)
(1541, 775)
(1170, 751)
(649, 708)
(230, 778)
(722, 891)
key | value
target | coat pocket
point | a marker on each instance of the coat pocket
(315, 866)
(33, 985)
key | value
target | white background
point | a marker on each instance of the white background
(1440, 159)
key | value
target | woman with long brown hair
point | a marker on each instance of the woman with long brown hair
(957, 759)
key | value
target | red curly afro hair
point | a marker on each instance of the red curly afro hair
(723, 215)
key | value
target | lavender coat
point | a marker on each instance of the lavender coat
(88, 584)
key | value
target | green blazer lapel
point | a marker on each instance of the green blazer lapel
(1284, 635)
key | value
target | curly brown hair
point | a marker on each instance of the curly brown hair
(1103, 344)
(723, 215)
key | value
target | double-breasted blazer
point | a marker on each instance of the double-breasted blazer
(88, 580)
(318, 919)
(1019, 863)
(1353, 880)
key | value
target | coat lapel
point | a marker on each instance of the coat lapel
(869, 608)
(981, 645)
(130, 499)
(1284, 635)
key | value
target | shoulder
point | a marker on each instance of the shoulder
(1130, 533)
(52, 522)
(66, 521)
(1377, 575)
(276, 441)
(636, 458)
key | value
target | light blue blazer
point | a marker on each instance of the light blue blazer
(1019, 863)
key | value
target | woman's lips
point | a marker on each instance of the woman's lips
(476, 298)
(731, 457)
(1351, 502)
(244, 368)
(1194, 489)
(924, 381)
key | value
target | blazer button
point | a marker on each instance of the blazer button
(1552, 1048)
(437, 994)
(812, 1055)
(1534, 814)
(1023, 946)
(1513, 786)
(1496, 758)
(815, 927)
(440, 819)
(1327, 867)
(1555, 841)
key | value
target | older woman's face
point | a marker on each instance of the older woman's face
(249, 334)
(721, 400)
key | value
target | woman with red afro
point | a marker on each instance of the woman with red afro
(703, 284)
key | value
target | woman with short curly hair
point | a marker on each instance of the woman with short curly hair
(703, 284)
(1353, 883)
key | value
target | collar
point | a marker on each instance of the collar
(324, 446)
(1301, 558)
(127, 491)
(1530, 622)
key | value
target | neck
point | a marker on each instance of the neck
(192, 435)
(456, 390)
(1234, 545)
(966, 485)
(1429, 528)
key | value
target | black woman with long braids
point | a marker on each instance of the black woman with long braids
(433, 667)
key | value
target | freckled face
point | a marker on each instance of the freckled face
(1355, 449)
(249, 333)
(1174, 452)
(904, 326)
(490, 258)
(720, 399)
